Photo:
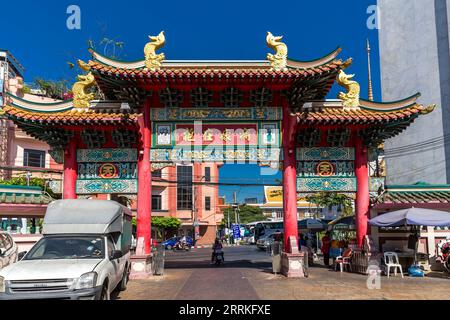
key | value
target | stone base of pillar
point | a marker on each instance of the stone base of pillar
(141, 266)
(292, 265)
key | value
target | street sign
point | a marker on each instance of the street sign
(236, 231)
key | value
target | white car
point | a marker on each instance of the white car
(8, 250)
(67, 267)
(84, 254)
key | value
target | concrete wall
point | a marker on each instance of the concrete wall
(414, 53)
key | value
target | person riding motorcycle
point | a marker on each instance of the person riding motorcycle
(444, 252)
(217, 249)
(181, 243)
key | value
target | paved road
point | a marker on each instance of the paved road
(227, 280)
(247, 274)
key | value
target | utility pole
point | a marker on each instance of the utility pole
(229, 228)
(235, 206)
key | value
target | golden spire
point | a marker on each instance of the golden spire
(369, 73)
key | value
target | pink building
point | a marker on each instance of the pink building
(21, 152)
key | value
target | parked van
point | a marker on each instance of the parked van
(84, 254)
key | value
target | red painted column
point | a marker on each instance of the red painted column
(70, 170)
(144, 195)
(290, 220)
(362, 202)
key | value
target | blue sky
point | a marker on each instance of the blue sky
(38, 37)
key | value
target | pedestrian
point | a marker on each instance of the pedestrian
(302, 241)
(326, 241)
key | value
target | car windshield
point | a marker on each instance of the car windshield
(50, 248)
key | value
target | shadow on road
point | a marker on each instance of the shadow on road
(184, 264)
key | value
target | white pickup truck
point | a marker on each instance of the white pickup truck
(83, 255)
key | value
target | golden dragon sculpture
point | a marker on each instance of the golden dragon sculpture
(279, 59)
(153, 61)
(81, 98)
(351, 98)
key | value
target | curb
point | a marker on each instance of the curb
(202, 247)
(210, 246)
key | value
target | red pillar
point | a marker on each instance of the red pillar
(144, 196)
(290, 219)
(362, 194)
(70, 171)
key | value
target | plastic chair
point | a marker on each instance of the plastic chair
(344, 260)
(391, 261)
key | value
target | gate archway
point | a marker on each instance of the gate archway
(156, 113)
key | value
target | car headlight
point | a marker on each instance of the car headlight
(86, 281)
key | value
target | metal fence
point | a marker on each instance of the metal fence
(158, 256)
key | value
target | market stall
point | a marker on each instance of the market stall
(413, 218)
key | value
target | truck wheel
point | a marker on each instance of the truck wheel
(105, 294)
(169, 247)
(125, 277)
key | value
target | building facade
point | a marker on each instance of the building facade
(414, 53)
(20, 153)
(272, 207)
(189, 193)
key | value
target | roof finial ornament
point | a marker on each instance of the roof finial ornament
(350, 100)
(369, 72)
(153, 61)
(82, 99)
(428, 109)
(279, 59)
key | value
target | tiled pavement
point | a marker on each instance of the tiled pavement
(251, 280)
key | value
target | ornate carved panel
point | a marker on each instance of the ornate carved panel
(326, 184)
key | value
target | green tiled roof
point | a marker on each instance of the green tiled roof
(412, 194)
(22, 195)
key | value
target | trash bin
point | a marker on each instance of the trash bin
(276, 257)
(159, 254)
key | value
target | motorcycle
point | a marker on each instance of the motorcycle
(218, 257)
(443, 254)
(181, 246)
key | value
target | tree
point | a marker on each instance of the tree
(331, 199)
(52, 89)
(164, 225)
(247, 214)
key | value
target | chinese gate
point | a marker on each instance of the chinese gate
(156, 113)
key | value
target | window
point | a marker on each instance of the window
(157, 174)
(111, 247)
(34, 158)
(207, 174)
(156, 202)
(184, 187)
(207, 203)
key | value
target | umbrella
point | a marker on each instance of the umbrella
(412, 217)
